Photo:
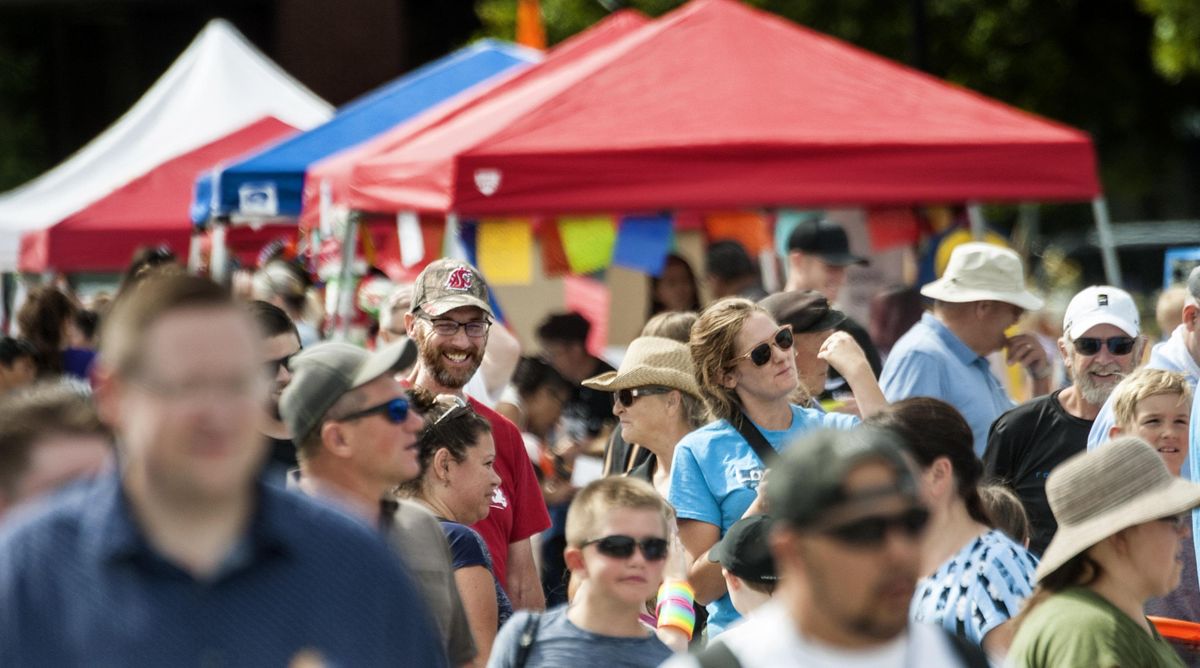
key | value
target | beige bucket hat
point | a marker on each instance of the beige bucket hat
(651, 360)
(1096, 494)
(978, 272)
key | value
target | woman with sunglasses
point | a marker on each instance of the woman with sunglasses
(1121, 516)
(657, 400)
(457, 482)
(746, 372)
(975, 576)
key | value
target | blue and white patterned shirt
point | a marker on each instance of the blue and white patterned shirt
(978, 589)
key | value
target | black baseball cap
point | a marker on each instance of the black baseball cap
(825, 239)
(744, 550)
(804, 310)
(728, 259)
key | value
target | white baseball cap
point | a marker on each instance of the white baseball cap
(1101, 305)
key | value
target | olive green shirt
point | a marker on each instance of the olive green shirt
(1077, 627)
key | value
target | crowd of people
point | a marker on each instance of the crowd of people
(190, 475)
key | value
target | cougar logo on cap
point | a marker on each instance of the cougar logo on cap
(460, 279)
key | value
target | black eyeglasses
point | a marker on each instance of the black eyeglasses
(870, 532)
(395, 410)
(621, 547)
(1117, 345)
(761, 354)
(271, 367)
(628, 396)
(476, 329)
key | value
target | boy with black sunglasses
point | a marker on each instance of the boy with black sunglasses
(616, 548)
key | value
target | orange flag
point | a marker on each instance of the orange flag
(530, 30)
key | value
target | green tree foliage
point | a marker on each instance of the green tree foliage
(1176, 36)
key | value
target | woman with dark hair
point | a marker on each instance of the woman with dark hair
(457, 483)
(675, 289)
(46, 320)
(976, 577)
(1121, 516)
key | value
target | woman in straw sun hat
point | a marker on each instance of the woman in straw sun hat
(657, 400)
(1120, 515)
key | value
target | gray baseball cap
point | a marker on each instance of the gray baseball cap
(323, 373)
(808, 480)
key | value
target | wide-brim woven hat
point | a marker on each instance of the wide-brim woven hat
(651, 360)
(981, 272)
(1096, 494)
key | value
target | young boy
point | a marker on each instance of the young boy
(746, 563)
(1155, 406)
(616, 548)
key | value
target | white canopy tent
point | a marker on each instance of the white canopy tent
(219, 84)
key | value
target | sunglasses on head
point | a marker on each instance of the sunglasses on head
(1117, 345)
(271, 367)
(621, 547)
(870, 532)
(395, 410)
(761, 354)
(628, 396)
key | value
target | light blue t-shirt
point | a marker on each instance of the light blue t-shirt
(977, 589)
(558, 643)
(715, 476)
(930, 361)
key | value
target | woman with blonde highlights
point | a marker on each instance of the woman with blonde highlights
(746, 372)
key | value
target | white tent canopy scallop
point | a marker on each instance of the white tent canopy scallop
(219, 84)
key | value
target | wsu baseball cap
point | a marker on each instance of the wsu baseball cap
(447, 284)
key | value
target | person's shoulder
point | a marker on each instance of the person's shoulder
(50, 523)
(319, 528)
(717, 430)
(501, 426)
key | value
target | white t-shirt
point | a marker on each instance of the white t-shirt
(768, 638)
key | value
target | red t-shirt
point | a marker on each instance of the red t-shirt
(518, 510)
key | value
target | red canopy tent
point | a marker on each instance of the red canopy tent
(152, 209)
(718, 105)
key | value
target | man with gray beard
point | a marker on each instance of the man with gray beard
(1101, 343)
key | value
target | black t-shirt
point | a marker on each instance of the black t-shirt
(1024, 446)
(589, 409)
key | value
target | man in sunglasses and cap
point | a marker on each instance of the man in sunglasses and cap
(1101, 343)
(847, 524)
(981, 294)
(356, 439)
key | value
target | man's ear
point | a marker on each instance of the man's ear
(1115, 431)
(732, 582)
(106, 391)
(333, 439)
(1190, 311)
(1062, 347)
(409, 319)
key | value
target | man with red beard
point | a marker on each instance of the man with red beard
(1101, 343)
(449, 319)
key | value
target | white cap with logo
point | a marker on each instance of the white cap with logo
(1101, 305)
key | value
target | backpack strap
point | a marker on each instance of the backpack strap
(718, 655)
(528, 638)
(969, 654)
(754, 437)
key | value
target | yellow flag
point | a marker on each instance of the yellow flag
(505, 251)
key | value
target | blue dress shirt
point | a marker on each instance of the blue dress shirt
(930, 361)
(81, 586)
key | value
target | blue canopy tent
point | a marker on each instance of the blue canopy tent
(269, 184)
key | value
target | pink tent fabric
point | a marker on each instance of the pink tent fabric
(718, 105)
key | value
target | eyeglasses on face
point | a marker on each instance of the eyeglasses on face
(271, 367)
(1117, 345)
(1177, 522)
(622, 547)
(395, 410)
(761, 353)
(476, 329)
(870, 532)
(626, 397)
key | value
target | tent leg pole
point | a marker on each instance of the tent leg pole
(193, 262)
(1108, 250)
(219, 262)
(975, 218)
(345, 293)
